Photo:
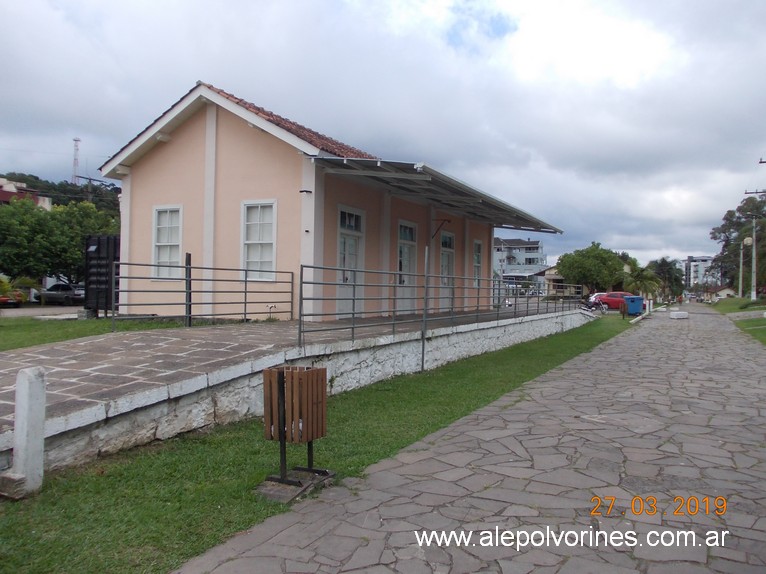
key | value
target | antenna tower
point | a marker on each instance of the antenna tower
(76, 161)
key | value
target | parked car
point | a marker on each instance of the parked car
(614, 299)
(592, 298)
(63, 294)
(13, 299)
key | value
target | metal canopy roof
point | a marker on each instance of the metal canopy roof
(423, 184)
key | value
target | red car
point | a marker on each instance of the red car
(614, 299)
(12, 299)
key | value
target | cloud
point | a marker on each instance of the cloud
(633, 124)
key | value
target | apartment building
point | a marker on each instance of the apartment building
(519, 260)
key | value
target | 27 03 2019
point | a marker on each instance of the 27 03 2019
(648, 505)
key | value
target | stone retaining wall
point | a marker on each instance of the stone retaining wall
(236, 392)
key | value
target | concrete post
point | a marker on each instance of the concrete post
(26, 475)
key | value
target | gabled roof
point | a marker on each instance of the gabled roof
(415, 181)
(305, 139)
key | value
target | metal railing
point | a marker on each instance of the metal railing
(338, 299)
(191, 292)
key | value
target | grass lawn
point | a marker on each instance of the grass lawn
(18, 332)
(756, 328)
(737, 305)
(152, 508)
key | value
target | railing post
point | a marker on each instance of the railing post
(188, 314)
(113, 287)
(244, 303)
(479, 281)
(526, 300)
(353, 305)
(394, 306)
(300, 307)
(497, 287)
(424, 327)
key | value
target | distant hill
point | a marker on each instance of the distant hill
(104, 195)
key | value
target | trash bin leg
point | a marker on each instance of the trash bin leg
(282, 430)
(310, 467)
(282, 436)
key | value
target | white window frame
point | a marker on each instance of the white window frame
(253, 275)
(413, 243)
(175, 273)
(354, 211)
(447, 280)
(405, 223)
(360, 234)
(477, 267)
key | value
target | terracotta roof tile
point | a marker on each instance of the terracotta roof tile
(323, 142)
(326, 144)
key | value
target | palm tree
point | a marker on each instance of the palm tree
(671, 278)
(641, 279)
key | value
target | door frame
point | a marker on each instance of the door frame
(343, 292)
(408, 291)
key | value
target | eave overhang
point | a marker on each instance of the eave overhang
(420, 183)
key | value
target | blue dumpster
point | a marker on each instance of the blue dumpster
(635, 305)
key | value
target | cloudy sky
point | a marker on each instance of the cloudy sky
(634, 124)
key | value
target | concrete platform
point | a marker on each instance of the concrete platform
(115, 391)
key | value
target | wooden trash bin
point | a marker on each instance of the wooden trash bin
(295, 411)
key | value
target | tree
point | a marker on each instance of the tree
(669, 275)
(641, 279)
(35, 242)
(70, 225)
(738, 224)
(595, 267)
(25, 246)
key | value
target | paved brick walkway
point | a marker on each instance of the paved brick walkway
(96, 370)
(672, 408)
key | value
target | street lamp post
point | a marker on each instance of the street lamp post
(753, 294)
(745, 241)
(741, 248)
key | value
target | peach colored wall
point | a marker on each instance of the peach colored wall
(253, 166)
(171, 174)
(412, 213)
(340, 192)
(370, 202)
(347, 193)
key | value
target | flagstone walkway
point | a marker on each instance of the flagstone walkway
(605, 464)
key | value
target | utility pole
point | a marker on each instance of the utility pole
(76, 161)
(90, 180)
(753, 286)
(755, 216)
(756, 192)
